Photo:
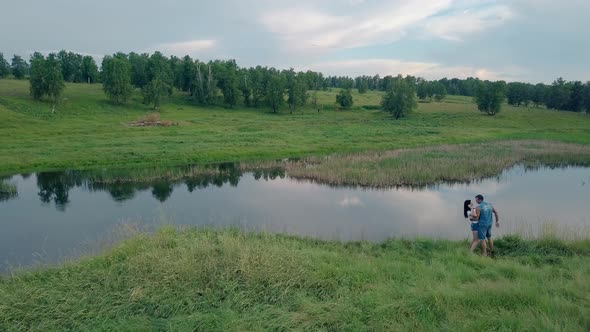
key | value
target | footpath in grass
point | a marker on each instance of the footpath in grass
(87, 131)
(232, 281)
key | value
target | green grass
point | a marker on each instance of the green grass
(87, 131)
(200, 280)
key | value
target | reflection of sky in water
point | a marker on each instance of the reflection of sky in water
(285, 205)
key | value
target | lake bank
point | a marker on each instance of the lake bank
(230, 280)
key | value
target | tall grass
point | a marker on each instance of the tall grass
(421, 166)
(7, 190)
(234, 281)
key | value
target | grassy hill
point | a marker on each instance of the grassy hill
(88, 131)
(198, 280)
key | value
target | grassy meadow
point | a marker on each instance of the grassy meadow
(87, 131)
(200, 280)
(229, 280)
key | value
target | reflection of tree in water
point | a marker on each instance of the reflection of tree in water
(225, 173)
(161, 190)
(55, 186)
(123, 185)
(269, 174)
(119, 191)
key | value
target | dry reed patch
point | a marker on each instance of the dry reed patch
(421, 166)
(152, 119)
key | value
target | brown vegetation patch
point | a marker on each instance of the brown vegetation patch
(152, 119)
(429, 165)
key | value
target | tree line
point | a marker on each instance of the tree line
(223, 81)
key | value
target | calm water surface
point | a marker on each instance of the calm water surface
(58, 214)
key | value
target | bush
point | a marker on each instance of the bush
(344, 98)
(489, 97)
(400, 99)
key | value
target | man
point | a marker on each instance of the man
(483, 213)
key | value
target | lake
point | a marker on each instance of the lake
(54, 215)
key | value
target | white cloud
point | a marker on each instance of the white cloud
(468, 21)
(429, 70)
(351, 201)
(191, 47)
(305, 28)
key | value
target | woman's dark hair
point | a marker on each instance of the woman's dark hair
(466, 207)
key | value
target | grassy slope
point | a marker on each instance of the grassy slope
(231, 281)
(88, 131)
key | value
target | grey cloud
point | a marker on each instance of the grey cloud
(537, 41)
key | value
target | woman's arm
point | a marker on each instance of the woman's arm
(497, 217)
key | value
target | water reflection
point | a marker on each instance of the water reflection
(122, 185)
(55, 186)
(7, 190)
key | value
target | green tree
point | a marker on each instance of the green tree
(344, 98)
(116, 78)
(314, 100)
(204, 84)
(518, 93)
(227, 81)
(423, 89)
(539, 94)
(558, 95)
(138, 63)
(4, 66)
(363, 85)
(46, 78)
(54, 80)
(38, 86)
(259, 78)
(245, 86)
(400, 98)
(160, 82)
(19, 67)
(275, 90)
(186, 74)
(296, 90)
(586, 97)
(576, 101)
(156, 91)
(89, 70)
(71, 65)
(158, 65)
(489, 97)
(439, 91)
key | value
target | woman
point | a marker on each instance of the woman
(468, 210)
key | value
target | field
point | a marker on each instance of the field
(229, 280)
(87, 131)
(199, 280)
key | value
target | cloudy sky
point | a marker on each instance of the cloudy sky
(528, 40)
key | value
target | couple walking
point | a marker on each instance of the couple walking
(481, 220)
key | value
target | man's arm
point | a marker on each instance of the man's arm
(497, 217)
(475, 216)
